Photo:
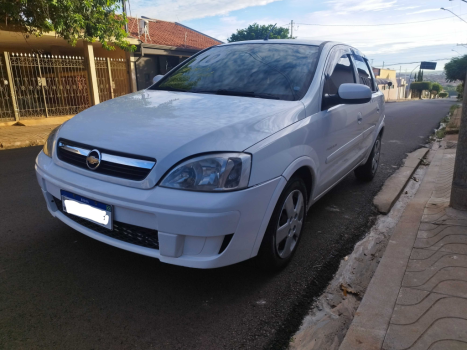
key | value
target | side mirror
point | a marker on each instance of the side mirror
(157, 78)
(352, 94)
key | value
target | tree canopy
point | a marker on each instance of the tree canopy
(72, 20)
(456, 69)
(258, 32)
(436, 88)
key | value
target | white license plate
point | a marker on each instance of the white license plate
(89, 209)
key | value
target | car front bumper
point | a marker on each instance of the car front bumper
(191, 225)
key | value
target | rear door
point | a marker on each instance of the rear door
(369, 111)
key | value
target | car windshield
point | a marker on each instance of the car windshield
(275, 71)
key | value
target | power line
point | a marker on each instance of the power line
(371, 25)
(439, 59)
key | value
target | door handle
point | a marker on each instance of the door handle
(359, 118)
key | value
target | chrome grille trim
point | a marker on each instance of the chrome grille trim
(74, 149)
(137, 163)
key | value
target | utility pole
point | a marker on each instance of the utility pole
(459, 181)
(291, 29)
(124, 11)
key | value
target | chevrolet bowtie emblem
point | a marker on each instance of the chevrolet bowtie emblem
(93, 160)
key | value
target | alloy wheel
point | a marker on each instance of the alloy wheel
(290, 223)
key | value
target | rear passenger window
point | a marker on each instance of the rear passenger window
(364, 75)
(341, 73)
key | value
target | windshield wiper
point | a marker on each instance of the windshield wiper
(169, 88)
(238, 93)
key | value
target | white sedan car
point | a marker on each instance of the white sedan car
(220, 159)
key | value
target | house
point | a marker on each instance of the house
(45, 76)
(163, 45)
(387, 83)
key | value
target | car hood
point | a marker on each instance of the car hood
(170, 126)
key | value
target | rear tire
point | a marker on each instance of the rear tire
(284, 230)
(367, 171)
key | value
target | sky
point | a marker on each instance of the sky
(360, 23)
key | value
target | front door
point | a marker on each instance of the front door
(341, 138)
(369, 111)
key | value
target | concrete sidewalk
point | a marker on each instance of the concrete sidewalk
(29, 132)
(24, 136)
(417, 298)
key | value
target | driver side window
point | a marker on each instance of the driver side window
(341, 72)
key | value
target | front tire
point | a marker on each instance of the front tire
(367, 171)
(285, 226)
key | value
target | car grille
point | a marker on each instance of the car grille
(112, 164)
(132, 234)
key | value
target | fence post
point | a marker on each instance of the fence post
(42, 87)
(110, 78)
(130, 61)
(11, 83)
(91, 68)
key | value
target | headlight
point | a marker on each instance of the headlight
(49, 144)
(214, 172)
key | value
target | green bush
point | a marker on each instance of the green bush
(420, 86)
(443, 94)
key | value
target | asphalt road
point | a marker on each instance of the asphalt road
(60, 289)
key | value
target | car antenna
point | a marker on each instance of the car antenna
(270, 30)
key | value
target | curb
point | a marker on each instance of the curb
(393, 187)
(39, 121)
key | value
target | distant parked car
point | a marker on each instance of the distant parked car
(220, 159)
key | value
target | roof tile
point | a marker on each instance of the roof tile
(171, 34)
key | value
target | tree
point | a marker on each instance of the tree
(460, 91)
(258, 32)
(420, 76)
(459, 181)
(436, 88)
(415, 78)
(455, 69)
(420, 86)
(72, 20)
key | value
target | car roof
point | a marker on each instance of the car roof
(293, 41)
(278, 41)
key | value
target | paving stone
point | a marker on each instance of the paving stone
(410, 296)
(437, 279)
(430, 233)
(445, 220)
(433, 307)
(449, 329)
(449, 234)
(439, 258)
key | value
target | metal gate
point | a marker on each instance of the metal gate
(112, 77)
(6, 106)
(35, 86)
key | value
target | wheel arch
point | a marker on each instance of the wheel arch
(303, 167)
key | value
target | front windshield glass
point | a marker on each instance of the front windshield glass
(276, 71)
